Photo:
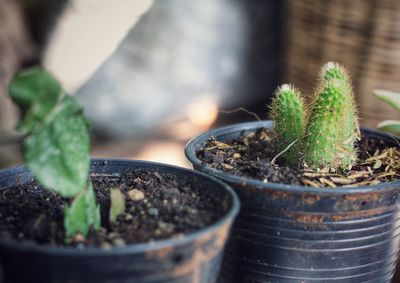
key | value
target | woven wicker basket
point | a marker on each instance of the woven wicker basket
(363, 35)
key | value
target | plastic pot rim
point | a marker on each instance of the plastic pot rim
(194, 143)
(318, 280)
(319, 270)
(139, 247)
(320, 232)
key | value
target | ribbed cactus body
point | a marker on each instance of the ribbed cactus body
(325, 125)
(333, 71)
(289, 115)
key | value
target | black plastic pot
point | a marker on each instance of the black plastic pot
(293, 234)
(194, 258)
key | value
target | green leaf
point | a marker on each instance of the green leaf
(391, 98)
(82, 214)
(391, 126)
(36, 92)
(57, 147)
(117, 203)
(92, 209)
(58, 152)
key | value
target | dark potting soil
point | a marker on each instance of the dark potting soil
(158, 206)
(252, 156)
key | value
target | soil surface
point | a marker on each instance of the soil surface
(252, 155)
(158, 206)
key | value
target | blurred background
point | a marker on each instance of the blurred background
(153, 73)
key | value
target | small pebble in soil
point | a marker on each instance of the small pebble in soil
(171, 192)
(166, 226)
(78, 238)
(237, 155)
(179, 235)
(106, 246)
(153, 211)
(128, 217)
(118, 242)
(113, 235)
(136, 195)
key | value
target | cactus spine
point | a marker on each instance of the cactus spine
(289, 115)
(327, 137)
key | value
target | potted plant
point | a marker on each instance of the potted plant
(393, 99)
(319, 197)
(128, 221)
(390, 126)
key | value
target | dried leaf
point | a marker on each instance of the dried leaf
(377, 164)
(219, 144)
(324, 170)
(359, 175)
(264, 136)
(341, 181)
(364, 183)
(327, 182)
(310, 183)
(227, 166)
(383, 175)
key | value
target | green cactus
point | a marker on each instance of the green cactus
(326, 138)
(289, 115)
(333, 71)
(324, 129)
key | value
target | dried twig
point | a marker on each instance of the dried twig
(240, 109)
(283, 151)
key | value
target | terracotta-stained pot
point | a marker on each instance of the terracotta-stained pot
(193, 258)
(288, 233)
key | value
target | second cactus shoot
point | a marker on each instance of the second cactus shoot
(325, 137)
(289, 116)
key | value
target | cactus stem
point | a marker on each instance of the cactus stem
(289, 115)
